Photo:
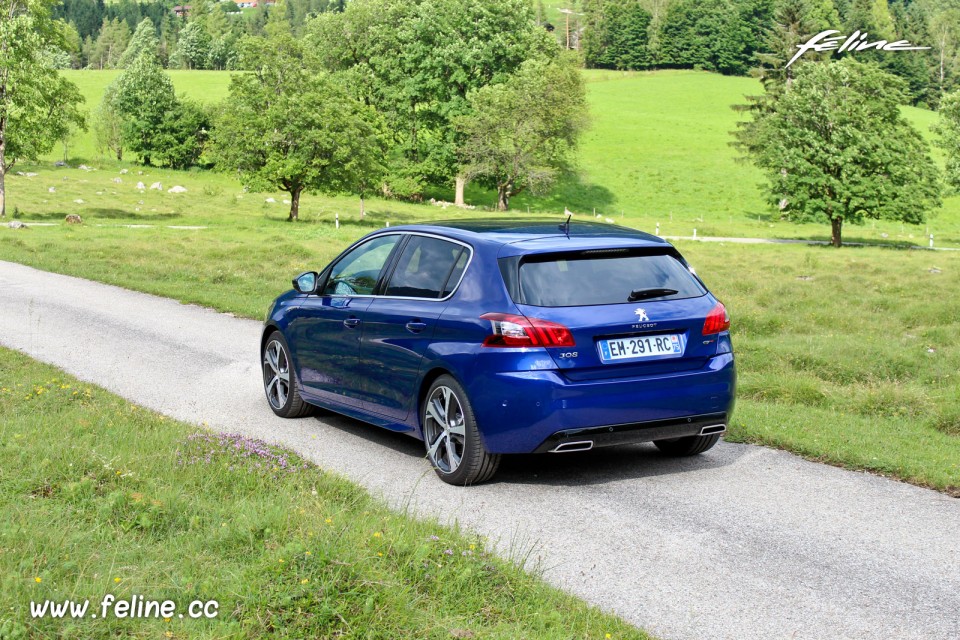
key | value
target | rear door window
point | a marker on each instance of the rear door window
(427, 268)
(604, 277)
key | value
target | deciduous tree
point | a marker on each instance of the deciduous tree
(288, 126)
(523, 131)
(836, 149)
(948, 130)
(143, 42)
(37, 105)
(143, 95)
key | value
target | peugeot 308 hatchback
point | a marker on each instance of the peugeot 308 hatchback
(484, 338)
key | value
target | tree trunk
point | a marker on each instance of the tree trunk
(503, 197)
(294, 205)
(458, 198)
(837, 225)
(362, 211)
(119, 153)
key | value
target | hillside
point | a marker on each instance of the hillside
(657, 151)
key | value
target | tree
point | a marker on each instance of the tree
(707, 34)
(143, 95)
(836, 148)
(181, 135)
(143, 42)
(522, 132)
(291, 127)
(108, 124)
(110, 45)
(948, 130)
(617, 35)
(415, 62)
(193, 46)
(37, 105)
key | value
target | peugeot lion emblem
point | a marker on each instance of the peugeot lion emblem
(642, 315)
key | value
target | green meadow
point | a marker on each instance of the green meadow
(847, 356)
(657, 153)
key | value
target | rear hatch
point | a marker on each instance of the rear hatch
(630, 311)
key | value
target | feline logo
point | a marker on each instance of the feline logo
(641, 315)
(856, 42)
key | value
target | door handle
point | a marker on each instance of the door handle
(415, 326)
(351, 323)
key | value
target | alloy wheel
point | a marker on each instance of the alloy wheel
(276, 374)
(444, 431)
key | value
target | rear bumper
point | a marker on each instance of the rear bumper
(606, 436)
(534, 411)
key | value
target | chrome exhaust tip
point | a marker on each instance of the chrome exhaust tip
(568, 447)
(712, 429)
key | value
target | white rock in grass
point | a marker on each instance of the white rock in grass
(124, 171)
(270, 200)
(78, 201)
(141, 186)
(157, 186)
(286, 202)
(99, 193)
(118, 180)
(52, 190)
(30, 174)
(177, 189)
(16, 224)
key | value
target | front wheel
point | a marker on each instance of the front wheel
(451, 436)
(280, 379)
(688, 446)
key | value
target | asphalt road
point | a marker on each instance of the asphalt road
(741, 542)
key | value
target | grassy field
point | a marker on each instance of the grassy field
(677, 169)
(846, 356)
(286, 549)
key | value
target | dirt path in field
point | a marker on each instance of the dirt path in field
(742, 542)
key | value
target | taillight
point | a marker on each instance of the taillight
(519, 331)
(717, 320)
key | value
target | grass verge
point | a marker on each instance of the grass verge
(103, 497)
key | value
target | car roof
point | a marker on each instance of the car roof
(537, 233)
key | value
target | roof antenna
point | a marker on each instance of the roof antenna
(565, 227)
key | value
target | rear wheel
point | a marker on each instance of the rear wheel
(689, 446)
(451, 436)
(280, 379)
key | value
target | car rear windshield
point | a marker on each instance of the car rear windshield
(604, 277)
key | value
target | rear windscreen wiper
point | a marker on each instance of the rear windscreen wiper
(643, 294)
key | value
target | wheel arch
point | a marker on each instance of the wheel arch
(267, 332)
(428, 379)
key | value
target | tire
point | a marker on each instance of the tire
(451, 437)
(688, 446)
(280, 379)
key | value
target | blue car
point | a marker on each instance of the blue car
(485, 338)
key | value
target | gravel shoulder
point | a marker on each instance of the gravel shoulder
(741, 542)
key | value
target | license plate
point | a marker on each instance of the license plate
(618, 349)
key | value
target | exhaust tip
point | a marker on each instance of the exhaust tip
(569, 447)
(712, 429)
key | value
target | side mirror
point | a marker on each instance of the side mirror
(306, 282)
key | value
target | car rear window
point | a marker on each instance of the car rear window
(604, 277)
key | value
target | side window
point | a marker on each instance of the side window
(357, 272)
(425, 267)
